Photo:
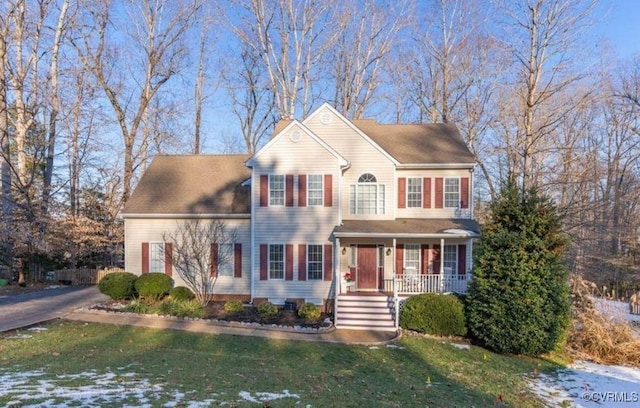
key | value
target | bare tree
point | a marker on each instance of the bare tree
(198, 252)
(5, 165)
(157, 29)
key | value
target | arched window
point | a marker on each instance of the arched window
(367, 196)
(367, 178)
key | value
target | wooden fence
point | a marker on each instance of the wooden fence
(635, 309)
(80, 276)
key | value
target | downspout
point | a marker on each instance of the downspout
(253, 237)
(336, 281)
(442, 278)
(396, 300)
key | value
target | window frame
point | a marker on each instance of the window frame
(414, 198)
(319, 264)
(270, 262)
(447, 201)
(317, 191)
(376, 200)
(154, 261)
(451, 251)
(231, 260)
(410, 248)
(274, 201)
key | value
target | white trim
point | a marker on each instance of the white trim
(284, 262)
(432, 166)
(353, 127)
(341, 160)
(467, 234)
(188, 216)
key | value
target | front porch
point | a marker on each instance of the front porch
(408, 285)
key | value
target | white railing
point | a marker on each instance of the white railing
(431, 283)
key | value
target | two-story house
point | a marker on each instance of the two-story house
(350, 214)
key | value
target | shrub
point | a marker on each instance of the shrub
(137, 306)
(518, 300)
(118, 285)
(181, 308)
(433, 313)
(233, 306)
(153, 285)
(181, 293)
(267, 309)
(309, 311)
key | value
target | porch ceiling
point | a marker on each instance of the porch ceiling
(409, 228)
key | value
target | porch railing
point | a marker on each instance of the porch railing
(430, 283)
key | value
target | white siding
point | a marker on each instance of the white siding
(293, 225)
(138, 231)
(363, 158)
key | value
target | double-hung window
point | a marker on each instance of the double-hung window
(450, 258)
(314, 262)
(367, 196)
(412, 259)
(225, 259)
(276, 189)
(414, 192)
(276, 261)
(451, 193)
(315, 190)
(156, 257)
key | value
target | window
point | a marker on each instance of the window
(451, 193)
(450, 258)
(414, 192)
(314, 262)
(315, 190)
(276, 189)
(367, 197)
(412, 259)
(156, 257)
(353, 252)
(276, 261)
(225, 259)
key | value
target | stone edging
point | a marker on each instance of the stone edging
(223, 323)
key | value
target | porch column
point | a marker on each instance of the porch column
(442, 277)
(337, 279)
(470, 251)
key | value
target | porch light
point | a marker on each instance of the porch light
(388, 251)
(344, 251)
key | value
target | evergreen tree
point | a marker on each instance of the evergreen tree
(518, 301)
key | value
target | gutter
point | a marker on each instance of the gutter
(404, 235)
(187, 216)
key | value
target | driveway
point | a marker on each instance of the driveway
(37, 307)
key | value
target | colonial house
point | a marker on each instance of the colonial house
(354, 215)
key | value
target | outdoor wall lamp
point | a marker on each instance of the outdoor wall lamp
(344, 251)
(388, 251)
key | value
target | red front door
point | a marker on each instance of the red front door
(366, 274)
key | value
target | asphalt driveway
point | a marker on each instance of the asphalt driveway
(37, 307)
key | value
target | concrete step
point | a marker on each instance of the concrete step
(342, 315)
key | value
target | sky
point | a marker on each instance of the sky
(618, 22)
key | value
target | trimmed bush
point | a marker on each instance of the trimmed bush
(432, 313)
(181, 293)
(267, 309)
(309, 311)
(118, 285)
(181, 308)
(233, 306)
(153, 285)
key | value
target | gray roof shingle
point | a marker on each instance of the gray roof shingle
(407, 226)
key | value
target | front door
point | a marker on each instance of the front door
(367, 272)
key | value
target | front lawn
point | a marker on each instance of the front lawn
(81, 364)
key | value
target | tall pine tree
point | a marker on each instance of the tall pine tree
(519, 298)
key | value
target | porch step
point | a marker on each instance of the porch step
(365, 313)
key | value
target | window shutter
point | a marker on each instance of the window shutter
(464, 192)
(168, 258)
(402, 192)
(288, 266)
(264, 260)
(462, 259)
(214, 260)
(426, 192)
(302, 262)
(399, 259)
(264, 190)
(302, 190)
(237, 261)
(328, 262)
(288, 190)
(145, 257)
(425, 259)
(328, 190)
(439, 192)
(436, 259)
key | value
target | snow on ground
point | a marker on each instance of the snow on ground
(38, 388)
(585, 384)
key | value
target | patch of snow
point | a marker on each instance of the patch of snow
(393, 346)
(37, 329)
(587, 385)
(266, 396)
(20, 336)
(615, 310)
(53, 287)
(461, 346)
(374, 348)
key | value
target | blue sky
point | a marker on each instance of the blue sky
(618, 22)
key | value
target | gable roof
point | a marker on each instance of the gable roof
(434, 143)
(192, 184)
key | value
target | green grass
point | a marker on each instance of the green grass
(424, 372)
